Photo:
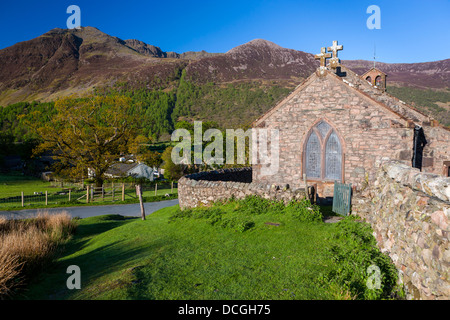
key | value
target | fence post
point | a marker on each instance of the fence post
(113, 191)
(139, 193)
(123, 191)
(171, 188)
(156, 188)
(22, 199)
(87, 194)
(46, 197)
(103, 193)
(69, 195)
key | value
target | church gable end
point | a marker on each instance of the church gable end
(369, 130)
(336, 126)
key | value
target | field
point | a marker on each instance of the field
(16, 183)
(12, 186)
(249, 249)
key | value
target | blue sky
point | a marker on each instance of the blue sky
(411, 31)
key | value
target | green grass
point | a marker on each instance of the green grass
(16, 183)
(56, 201)
(208, 254)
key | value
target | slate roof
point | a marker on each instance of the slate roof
(121, 169)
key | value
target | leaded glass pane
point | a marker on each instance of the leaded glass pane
(323, 128)
(333, 158)
(313, 157)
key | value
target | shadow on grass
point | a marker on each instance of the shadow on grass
(106, 259)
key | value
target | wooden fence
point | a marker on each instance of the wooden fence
(112, 192)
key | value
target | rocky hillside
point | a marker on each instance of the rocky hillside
(256, 60)
(63, 62)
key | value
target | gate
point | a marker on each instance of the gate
(342, 198)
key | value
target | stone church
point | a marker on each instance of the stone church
(336, 125)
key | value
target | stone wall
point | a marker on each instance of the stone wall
(201, 189)
(409, 212)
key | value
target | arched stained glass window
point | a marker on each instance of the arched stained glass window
(313, 157)
(333, 158)
(323, 128)
(323, 153)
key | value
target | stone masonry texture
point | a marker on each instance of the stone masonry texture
(204, 188)
(370, 124)
(409, 212)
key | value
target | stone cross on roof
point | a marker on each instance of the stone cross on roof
(334, 62)
(323, 56)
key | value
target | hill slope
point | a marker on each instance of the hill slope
(63, 62)
(231, 88)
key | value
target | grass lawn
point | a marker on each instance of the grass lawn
(228, 252)
(14, 184)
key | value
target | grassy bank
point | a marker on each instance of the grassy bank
(28, 246)
(250, 249)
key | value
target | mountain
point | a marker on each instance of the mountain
(152, 51)
(149, 50)
(226, 87)
(257, 59)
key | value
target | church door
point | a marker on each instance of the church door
(323, 153)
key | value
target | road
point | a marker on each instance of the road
(129, 210)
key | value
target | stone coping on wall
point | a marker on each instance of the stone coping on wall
(230, 175)
(432, 184)
(206, 187)
(239, 178)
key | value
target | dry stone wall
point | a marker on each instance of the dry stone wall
(201, 189)
(409, 212)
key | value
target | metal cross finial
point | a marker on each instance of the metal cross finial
(334, 62)
(323, 56)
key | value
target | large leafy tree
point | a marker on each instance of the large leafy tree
(89, 133)
(172, 171)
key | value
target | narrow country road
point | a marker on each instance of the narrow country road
(129, 210)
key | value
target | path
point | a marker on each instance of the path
(129, 210)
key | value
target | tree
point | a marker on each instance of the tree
(172, 171)
(143, 154)
(89, 133)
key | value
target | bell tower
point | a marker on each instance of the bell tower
(376, 78)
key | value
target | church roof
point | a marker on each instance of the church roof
(406, 112)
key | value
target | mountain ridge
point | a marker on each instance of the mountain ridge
(64, 62)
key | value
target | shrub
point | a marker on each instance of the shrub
(236, 214)
(304, 211)
(353, 251)
(216, 217)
